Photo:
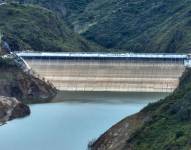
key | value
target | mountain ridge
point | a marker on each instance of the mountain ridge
(29, 27)
(127, 25)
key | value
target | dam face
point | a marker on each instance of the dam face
(110, 74)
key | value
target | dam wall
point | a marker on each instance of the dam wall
(124, 75)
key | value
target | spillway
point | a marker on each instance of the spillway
(135, 75)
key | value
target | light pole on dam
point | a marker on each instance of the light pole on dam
(109, 72)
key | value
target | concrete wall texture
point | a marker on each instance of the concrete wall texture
(108, 75)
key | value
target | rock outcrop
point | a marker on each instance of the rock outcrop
(18, 87)
(14, 82)
(115, 138)
(11, 108)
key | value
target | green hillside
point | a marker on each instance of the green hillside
(164, 125)
(134, 25)
(170, 125)
(141, 26)
(66, 8)
(35, 28)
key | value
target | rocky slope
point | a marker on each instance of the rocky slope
(11, 108)
(26, 88)
(164, 125)
(28, 27)
(131, 25)
(18, 81)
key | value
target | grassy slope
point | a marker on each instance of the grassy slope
(135, 25)
(143, 26)
(35, 28)
(165, 125)
(170, 126)
(66, 8)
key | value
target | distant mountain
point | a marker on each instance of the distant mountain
(28, 27)
(140, 26)
(134, 25)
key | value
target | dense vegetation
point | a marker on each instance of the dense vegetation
(134, 25)
(140, 26)
(66, 8)
(36, 28)
(170, 126)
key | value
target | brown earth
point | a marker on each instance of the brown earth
(115, 138)
(26, 88)
(11, 108)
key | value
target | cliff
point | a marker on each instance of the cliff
(14, 82)
(11, 108)
(17, 83)
(164, 125)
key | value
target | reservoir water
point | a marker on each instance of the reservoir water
(74, 119)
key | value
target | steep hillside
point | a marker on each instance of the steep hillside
(19, 84)
(66, 8)
(133, 25)
(164, 125)
(140, 26)
(36, 28)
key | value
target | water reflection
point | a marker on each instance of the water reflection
(109, 97)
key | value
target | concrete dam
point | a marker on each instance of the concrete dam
(109, 72)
